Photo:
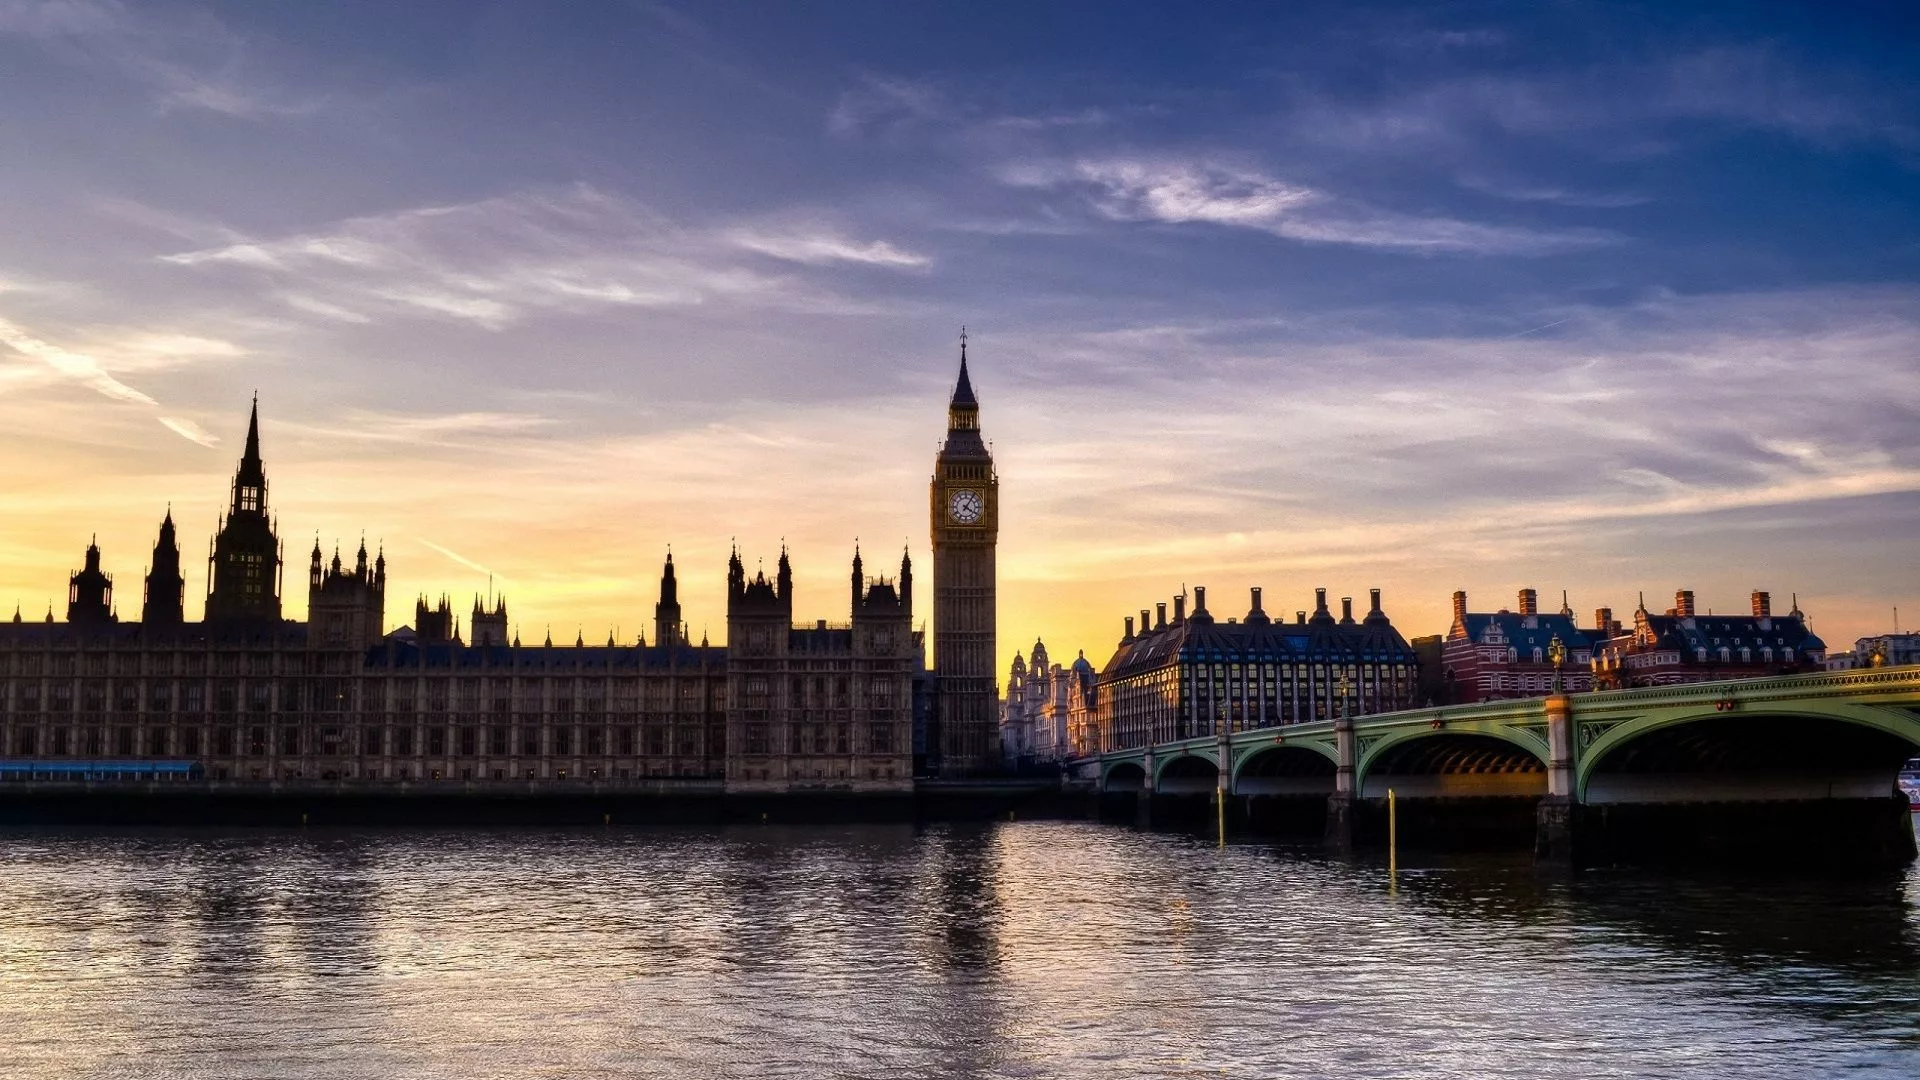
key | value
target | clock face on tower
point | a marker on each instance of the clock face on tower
(964, 506)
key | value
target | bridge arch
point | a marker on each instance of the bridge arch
(1758, 752)
(1124, 776)
(1187, 774)
(1482, 760)
(1284, 769)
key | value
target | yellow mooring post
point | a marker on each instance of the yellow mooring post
(1393, 835)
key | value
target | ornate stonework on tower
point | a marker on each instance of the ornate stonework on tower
(965, 510)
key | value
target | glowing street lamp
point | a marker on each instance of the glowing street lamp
(1557, 652)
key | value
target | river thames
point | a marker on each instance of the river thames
(1018, 950)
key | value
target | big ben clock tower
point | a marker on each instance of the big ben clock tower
(965, 507)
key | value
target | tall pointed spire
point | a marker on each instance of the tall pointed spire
(963, 389)
(666, 613)
(243, 570)
(252, 454)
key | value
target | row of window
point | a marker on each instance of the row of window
(434, 741)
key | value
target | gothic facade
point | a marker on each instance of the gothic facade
(246, 695)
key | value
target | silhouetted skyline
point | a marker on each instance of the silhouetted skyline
(1604, 299)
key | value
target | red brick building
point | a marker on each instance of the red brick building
(1508, 654)
(1683, 646)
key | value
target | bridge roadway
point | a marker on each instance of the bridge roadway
(1796, 765)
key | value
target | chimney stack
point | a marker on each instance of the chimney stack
(1319, 602)
(1683, 603)
(1300, 617)
(1529, 602)
(1146, 622)
(1128, 636)
(1460, 607)
(1603, 619)
(1375, 609)
(1180, 608)
(1762, 604)
(1346, 611)
(1256, 605)
(1160, 609)
(1199, 600)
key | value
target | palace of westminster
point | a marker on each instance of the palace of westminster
(248, 695)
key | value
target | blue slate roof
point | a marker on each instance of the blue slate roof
(1525, 638)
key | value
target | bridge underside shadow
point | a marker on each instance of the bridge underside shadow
(1749, 789)
(1453, 791)
(1184, 795)
(1283, 792)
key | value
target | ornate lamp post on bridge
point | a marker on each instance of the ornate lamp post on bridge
(1557, 652)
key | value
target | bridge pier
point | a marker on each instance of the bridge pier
(1340, 810)
(1557, 817)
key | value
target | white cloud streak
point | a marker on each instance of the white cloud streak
(185, 60)
(1199, 192)
(496, 262)
(820, 249)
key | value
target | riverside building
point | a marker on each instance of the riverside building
(246, 695)
(1195, 676)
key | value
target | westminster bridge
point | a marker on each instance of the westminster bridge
(1800, 766)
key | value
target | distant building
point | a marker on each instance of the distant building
(1196, 676)
(1036, 724)
(1509, 654)
(1683, 646)
(1881, 650)
(1430, 685)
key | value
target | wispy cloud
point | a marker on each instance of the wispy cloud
(139, 351)
(1621, 106)
(79, 367)
(190, 431)
(881, 105)
(185, 60)
(497, 261)
(822, 248)
(1177, 192)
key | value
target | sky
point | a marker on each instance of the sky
(1605, 298)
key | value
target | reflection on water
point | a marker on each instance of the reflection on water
(1017, 950)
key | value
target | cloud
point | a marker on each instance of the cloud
(78, 367)
(1618, 107)
(1547, 193)
(136, 351)
(185, 60)
(190, 431)
(882, 106)
(498, 261)
(1178, 192)
(819, 249)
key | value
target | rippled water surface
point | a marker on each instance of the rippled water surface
(1018, 950)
